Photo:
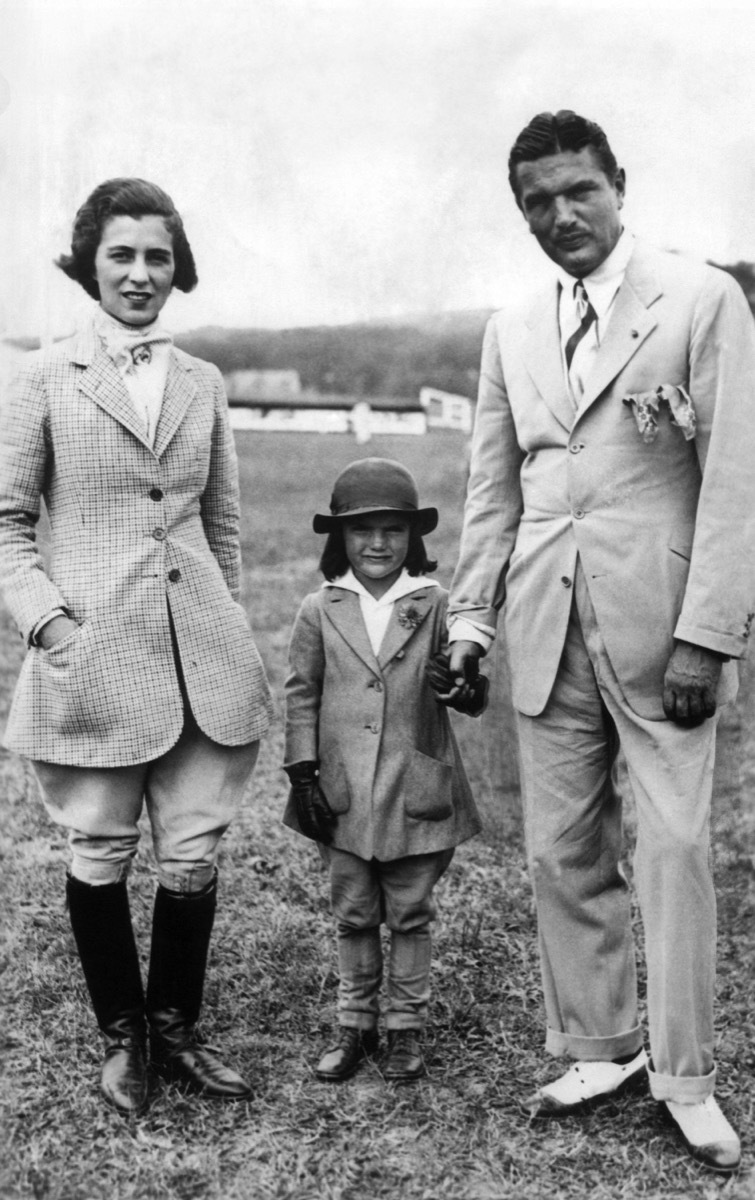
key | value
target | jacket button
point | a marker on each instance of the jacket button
(174, 575)
(159, 534)
(373, 728)
(378, 685)
(578, 513)
(576, 447)
(566, 580)
(156, 494)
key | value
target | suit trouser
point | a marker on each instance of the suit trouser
(573, 826)
(400, 893)
(192, 793)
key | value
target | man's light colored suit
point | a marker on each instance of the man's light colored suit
(658, 539)
(141, 534)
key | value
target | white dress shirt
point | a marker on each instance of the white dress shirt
(376, 613)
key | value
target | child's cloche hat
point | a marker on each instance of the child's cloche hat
(375, 485)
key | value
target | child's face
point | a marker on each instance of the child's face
(376, 546)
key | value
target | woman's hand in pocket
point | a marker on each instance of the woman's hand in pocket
(55, 630)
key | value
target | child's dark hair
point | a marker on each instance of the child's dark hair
(334, 561)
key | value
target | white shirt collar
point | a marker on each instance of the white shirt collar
(603, 283)
(404, 585)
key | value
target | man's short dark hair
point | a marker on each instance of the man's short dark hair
(550, 133)
(334, 561)
(124, 198)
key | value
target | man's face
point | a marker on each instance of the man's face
(572, 207)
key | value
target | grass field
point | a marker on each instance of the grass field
(459, 1133)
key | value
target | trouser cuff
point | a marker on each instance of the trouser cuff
(682, 1089)
(591, 1049)
(401, 1020)
(355, 1020)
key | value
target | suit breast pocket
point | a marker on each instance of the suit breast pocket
(428, 788)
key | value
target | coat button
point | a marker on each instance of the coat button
(566, 580)
(578, 513)
(373, 728)
(174, 575)
(576, 447)
(159, 534)
(377, 685)
(156, 494)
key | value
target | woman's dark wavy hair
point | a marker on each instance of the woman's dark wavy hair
(124, 198)
(550, 133)
(334, 561)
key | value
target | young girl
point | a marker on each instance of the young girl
(376, 774)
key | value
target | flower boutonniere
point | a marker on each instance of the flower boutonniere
(410, 616)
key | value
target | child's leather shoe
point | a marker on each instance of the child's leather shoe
(403, 1061)
(340, 1061)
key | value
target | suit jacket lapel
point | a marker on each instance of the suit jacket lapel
(180, 390)
(408, 614)
(102, 383)
(343, 610)
(630, 324)
(542, 356)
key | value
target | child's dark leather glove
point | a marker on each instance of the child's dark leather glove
(473, 701)
(315, 816)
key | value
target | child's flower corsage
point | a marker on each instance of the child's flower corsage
(646, 409)
(410, 616)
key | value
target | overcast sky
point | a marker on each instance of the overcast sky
(338, 160)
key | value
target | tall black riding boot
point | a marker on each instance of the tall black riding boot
(181, 932)
(101, 923)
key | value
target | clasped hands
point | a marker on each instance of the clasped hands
(690, 684)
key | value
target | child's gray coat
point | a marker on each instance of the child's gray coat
(389, 763)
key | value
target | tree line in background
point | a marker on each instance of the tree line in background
(394, 358)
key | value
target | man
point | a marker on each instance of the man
(611, 505)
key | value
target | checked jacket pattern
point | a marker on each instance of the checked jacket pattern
(140, 535)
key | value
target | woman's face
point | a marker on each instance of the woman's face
(134, 268)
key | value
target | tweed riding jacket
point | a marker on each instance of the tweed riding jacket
(142, 536)
(389, 763)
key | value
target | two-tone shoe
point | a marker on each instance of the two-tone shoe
(587, 1083)
(706, 1133)
(342, 1059)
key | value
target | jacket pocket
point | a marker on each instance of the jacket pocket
(428, 788)
(335, 785)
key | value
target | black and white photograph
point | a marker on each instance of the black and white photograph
(377, 579)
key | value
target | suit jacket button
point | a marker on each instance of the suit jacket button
(174, 575)
(566, 581)
(578, 513)
(156, 494)
(159, 534)
(378, 685)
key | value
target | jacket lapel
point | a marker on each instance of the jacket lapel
(630, 324)
(180, 391)
(343, 610)
(408, 614)
(542, 356)
(101, 382)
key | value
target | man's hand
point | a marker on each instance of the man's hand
(55, 630)
(442, 682)
(463, 667)
(690, 684)
(315, 816)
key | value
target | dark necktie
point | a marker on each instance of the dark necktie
(589, 315)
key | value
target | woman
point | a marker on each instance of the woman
(142, 681)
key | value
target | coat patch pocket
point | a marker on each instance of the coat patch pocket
(428, 788)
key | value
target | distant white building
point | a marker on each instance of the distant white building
(310, 412)
(447, 411)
